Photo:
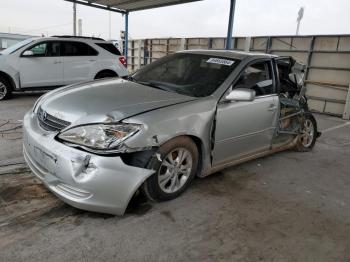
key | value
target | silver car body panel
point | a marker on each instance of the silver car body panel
(81, 179)
(105, 183)
(78, 105)
(254, 133)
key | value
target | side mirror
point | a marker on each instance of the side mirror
(28, 53)
(241, 94)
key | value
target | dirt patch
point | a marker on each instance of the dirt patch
(23, 193)
(168, 215)
(23, 202)
(10, 129)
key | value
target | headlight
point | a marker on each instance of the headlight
(99, 136)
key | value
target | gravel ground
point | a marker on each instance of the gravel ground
(286, 207)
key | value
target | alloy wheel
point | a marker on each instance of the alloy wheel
(308, 133)
(3, 90)
(175, 170)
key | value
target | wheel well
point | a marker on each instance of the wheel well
(199, 145)
(8, 78)
(200, 148)
(140, 159)
(106, 71)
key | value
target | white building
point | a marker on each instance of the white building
(8, 39)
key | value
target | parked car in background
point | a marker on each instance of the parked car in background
(188, 114)
(50, 62)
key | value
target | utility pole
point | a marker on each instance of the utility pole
(74, 19)
(80, 27)
(300, 16)
(110, 25)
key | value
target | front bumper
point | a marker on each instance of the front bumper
(84, 180)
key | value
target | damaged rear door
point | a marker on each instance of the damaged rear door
(243, 128)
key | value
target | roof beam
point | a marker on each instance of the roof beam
(89, 3)
(177, 2)
(123, 6)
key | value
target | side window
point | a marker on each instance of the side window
(46, 49)
(257, 76)
(78, 49)
(53, 49)
(39, 49)
(109, 47)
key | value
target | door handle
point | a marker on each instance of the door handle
(57, 62)
(92, 60)
(272, 108)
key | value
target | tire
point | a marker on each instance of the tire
(5, 89)
(105, 74)
(307, 139)
(172, 178)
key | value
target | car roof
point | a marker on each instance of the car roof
(80, 39)
(240, 55)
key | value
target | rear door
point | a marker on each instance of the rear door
(44, 67)
(245, 128)
(79, 60)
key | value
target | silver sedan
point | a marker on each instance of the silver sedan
(96, 144)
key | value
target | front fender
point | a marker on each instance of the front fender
(11, 73)
(194, 118)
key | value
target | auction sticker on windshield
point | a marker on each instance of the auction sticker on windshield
(220, 61)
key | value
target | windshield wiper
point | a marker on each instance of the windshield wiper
(152, 84)
(129, 78)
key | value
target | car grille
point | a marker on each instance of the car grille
(49, 122)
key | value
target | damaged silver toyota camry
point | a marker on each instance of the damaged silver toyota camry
(189, 114)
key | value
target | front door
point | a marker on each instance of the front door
(245, 128)
(44, 67)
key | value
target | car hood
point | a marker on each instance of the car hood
(109, 100)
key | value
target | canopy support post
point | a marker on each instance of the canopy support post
(126, 36)
(230, 25)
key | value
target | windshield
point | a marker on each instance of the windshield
(16, 46)
(188, 74)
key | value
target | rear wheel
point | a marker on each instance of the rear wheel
(307, 138)
(5, 89)
(176, 168)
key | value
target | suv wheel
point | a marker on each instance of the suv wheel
(5, 89)
(175, 171)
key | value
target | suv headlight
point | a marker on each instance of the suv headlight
(99, 137)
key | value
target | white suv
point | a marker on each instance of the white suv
(43, 63)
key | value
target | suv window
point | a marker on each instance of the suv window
(77, 49)
(257, 76)
(47, 49)
(39, 49)
(109, 47)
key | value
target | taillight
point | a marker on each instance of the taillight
(122, 60)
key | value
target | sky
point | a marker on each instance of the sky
(207, 18)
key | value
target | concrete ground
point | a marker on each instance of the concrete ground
(286, 207)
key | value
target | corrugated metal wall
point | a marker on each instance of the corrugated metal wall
(327, 59)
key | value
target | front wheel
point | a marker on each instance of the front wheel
(175, 168)
(307, 138)
(5, 89)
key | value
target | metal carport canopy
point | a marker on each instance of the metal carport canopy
(133, 5)
(126, 6)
